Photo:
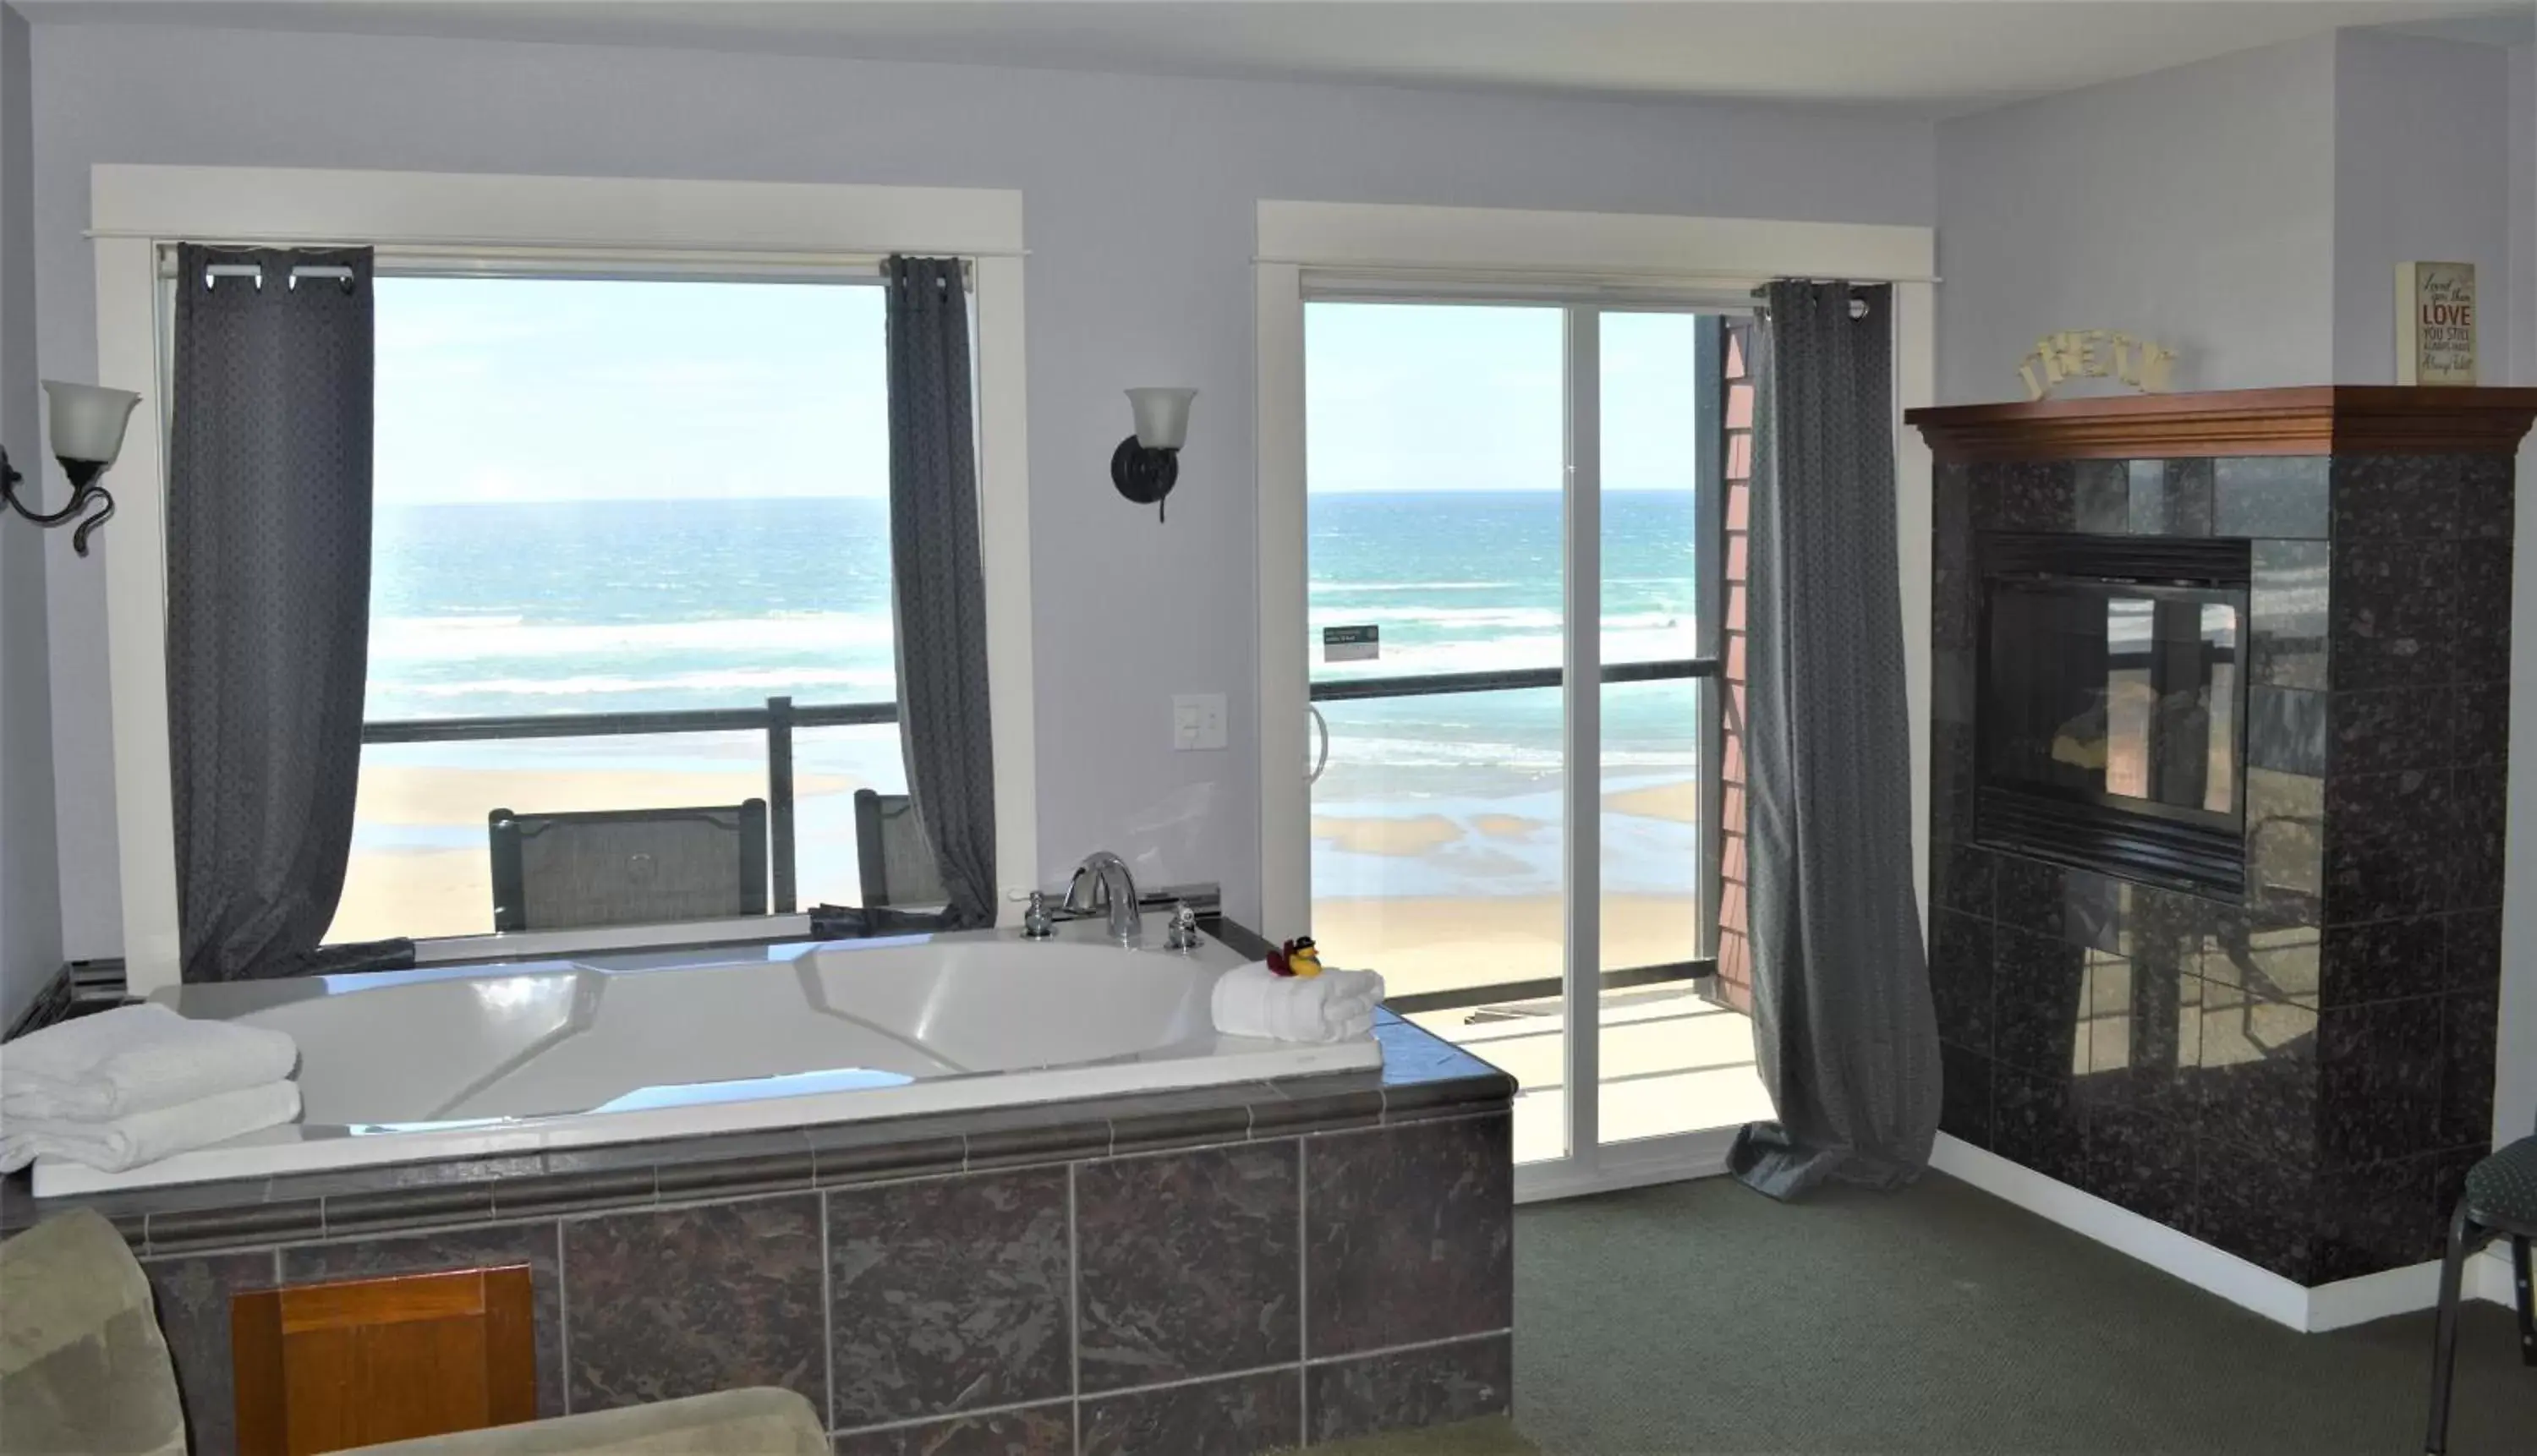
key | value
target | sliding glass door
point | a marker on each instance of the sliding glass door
(1514, 547)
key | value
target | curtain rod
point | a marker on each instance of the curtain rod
(1554, 271)
(548, 244)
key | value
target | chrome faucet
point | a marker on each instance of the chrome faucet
(1112, 888)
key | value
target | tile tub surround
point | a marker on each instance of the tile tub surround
(2300, 1078)
(1218, 1269)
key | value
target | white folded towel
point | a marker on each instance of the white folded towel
(135, 1059)
(147, 1137)
(1334, 1006)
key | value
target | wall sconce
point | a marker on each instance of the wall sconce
(1147, 464)
(87, 433)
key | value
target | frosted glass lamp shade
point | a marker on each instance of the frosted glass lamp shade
(1163, 416)
(88, 422)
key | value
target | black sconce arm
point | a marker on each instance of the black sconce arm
(85, 493)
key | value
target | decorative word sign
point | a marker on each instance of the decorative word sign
(2435, 323)
(2094, 353)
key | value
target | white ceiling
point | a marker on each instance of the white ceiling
(1929, 56)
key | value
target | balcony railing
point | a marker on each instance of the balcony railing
(779, 717)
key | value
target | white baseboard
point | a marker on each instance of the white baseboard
(2330, 1306)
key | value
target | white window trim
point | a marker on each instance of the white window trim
(1310, 249)
(134, 210)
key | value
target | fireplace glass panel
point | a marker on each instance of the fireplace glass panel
(2115, 693)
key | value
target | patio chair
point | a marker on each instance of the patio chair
(627, 866)
(898, 866)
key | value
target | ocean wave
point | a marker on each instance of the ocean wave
(750, 679)
(1320, 586)
(453, 639)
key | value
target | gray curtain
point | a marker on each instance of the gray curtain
(268, 600)
(1848, 1041)
(945, 731)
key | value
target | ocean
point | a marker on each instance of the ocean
(484, 609)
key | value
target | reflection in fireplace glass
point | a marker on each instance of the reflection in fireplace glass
(2114, 691)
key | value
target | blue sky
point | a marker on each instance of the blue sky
(509, 389)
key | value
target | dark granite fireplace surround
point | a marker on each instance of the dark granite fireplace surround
(2303, 1075)
(1220, 1270)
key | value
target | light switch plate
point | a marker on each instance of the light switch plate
(1198, 722)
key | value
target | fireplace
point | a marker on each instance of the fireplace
(2111, 704)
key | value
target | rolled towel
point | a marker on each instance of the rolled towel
(147, 1137)
(135, 1059)
(1334, 1006)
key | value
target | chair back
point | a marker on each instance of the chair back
(627, 866)
(898, 868)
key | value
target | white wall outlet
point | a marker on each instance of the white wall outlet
(1198, 722)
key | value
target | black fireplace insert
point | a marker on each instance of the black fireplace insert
(2110, 710)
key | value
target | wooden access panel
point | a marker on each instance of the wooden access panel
(327, 1366)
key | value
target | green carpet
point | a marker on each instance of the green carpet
(1703, 1317)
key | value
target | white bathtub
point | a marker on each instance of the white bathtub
(523, 1056)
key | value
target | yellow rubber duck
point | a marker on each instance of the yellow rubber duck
(1302, 959)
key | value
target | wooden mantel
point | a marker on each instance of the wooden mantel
(2317, 419)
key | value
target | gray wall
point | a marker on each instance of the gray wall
(30, 927)
(2193, 206)
(2421, 144)
(2514, 1101)
(1133, 281)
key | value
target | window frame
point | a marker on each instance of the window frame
(491, 223)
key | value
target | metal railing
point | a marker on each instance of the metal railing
(779, 717)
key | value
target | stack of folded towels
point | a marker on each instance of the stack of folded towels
(1334, 1006)
(135, 1084)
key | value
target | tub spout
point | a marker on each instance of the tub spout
(1102, 882)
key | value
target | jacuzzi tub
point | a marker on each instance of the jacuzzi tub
(529, 1055)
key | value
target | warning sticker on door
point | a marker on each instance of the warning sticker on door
(1351, 644)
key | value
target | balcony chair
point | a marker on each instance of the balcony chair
(2500, 1202)
(898, 866)
(627, 866)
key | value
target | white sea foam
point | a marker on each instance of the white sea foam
(452, 639)
(736, 679)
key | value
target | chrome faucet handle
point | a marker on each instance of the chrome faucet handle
(1183, 932)
(1037, 923)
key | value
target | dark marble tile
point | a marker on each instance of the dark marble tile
(1195, 1118)
(582, 1184)
(1955, 607)
(2035, 1121)
(2386, 729)
(1413, 1054)
(2141, 1161)
(2258, 1073)
(192, 1295)
(2388, 845)
(1056, 1132)
(2282, 496)
(1951, 512)
(1186, 1265)
(743, 1165)
(400, 1209)
(2448, 1179)
(2144, 1041)
(2286, 822)
(2388, 496)
(1240, 1417)
(2480, 729)
(678, 1301)
(2483, 496)
(2380, 959)
(1962, 875)
(2394, 613)
(2029, 894)
(1039, 1430)
(2285, 730)
(2474, 951)
(2171, 497)
(1319, 1103)
(1960, 979)
(2482, 649)
(493, 1246)
(2035, 986)
(1951, 782)
(1410, 1389)
(2287, 620)
(2260, 1208)
(2478, 809)
(2378, 1081)
(2284, 965)
(2100, 496)
(1954, 679)
(949, 1292)
(2025, 496)
(2470, 1030)
(2373, 1218)
(1409, 1235)
(2091, 909)
(1964, 1103)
